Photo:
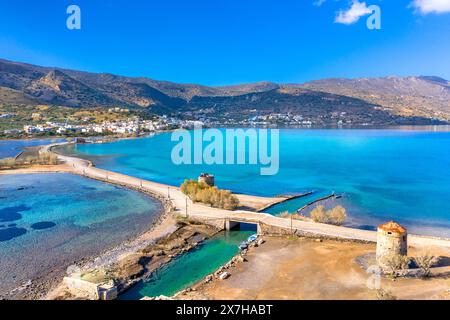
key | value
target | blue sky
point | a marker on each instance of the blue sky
(216, 42)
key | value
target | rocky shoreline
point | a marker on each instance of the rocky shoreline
(128, 268)
(48, 280)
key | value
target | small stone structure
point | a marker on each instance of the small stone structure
(391, 240)
(89, 290)
(206, 178)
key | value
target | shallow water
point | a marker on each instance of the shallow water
(190, 267)
(382, 174)
(11, 148)
(48, 221)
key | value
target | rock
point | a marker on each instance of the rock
(319, 240)
(224, 275)
(162, 297)
(261, 241)
(208, 278)
(219, 271)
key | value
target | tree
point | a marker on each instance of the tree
(201, 192)
(425, 262)
(319, 214)
(394, 264)
(335, 216)
(383, 294)
(229, 201)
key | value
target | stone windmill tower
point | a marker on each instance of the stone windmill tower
(391, 240)
(206, 178)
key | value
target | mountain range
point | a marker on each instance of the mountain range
(379, 101)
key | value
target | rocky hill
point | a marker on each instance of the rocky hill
(392, 100)
(408, 96)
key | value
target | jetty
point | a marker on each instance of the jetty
(286, 198)
(333, 195)
(224, 219)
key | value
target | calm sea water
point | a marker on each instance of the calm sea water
(188, 268)
(382, 174)
(48, 221)
(11, 148)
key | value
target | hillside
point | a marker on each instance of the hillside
(369, 101)
(322, 109)
(409, 96)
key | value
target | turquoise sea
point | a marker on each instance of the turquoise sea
(49, 221)
(399, 174)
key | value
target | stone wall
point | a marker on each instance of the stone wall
(216, 223)
(82, 288)
(88, 290)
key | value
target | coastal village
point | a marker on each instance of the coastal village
(134, 125)
(131, 126)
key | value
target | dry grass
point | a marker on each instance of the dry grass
(201, 192)
(335, 216)
(40, 159)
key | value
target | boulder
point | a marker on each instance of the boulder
(224, 275)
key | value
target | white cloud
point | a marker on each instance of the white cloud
(431, 6)
(352, 15)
